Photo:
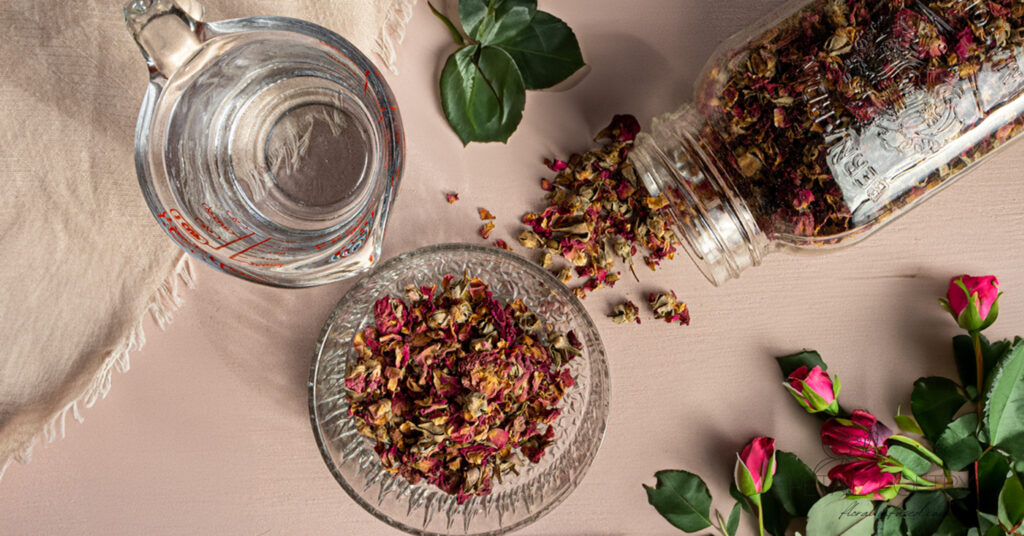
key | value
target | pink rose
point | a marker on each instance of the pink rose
(814, 390)
(973, 301)
(866, 479)
(755, 466)
(861, 435)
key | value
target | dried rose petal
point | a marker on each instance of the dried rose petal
(667, 307)
(455, 388)
(625, 313)
(451, 197)
(502, 244)
(485, 214)
(777, 107)
(485, 231)
(598, 210)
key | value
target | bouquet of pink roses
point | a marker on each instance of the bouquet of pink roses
(889, 483)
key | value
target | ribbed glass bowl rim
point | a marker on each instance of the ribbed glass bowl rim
(595, 351)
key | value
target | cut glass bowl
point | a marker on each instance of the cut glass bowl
(423, 508)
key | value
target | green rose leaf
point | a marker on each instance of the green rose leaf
(889, 520)
(809, 359)
(794, 485)
(835, 515)
(682, 498)
(482, 94)
(963, 353)
(987, 521)
(1004, 403)
(934, 402)
(951, 526)
(957, 493)
(924, 512)
(913, 461)
(993, 469)
(907, 424)
(495, 21)
(958, 446)
(733, 524)
(776, 518)
(1011, 503)
(546, 51)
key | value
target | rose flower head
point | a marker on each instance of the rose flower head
(755, 467)
(973, 301)
(814, 390)
(861, 436)
(865, 478)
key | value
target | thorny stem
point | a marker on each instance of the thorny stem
(909, 475)
(979, 361)
(913, 487)
(756, 499)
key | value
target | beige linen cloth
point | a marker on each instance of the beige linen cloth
(82, 260)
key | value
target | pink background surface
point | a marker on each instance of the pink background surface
(209, 432)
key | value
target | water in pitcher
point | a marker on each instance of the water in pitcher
(266, 149)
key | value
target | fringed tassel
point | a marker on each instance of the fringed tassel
(393, 32)
(162, 305)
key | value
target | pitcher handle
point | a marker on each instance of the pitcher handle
(167, 31)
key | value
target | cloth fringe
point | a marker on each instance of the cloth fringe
(161, 307)
(393, 32)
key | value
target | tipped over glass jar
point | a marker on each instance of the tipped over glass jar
(841, 116)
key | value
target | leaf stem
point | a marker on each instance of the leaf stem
(721, 524)
(919, 448)
(456, 36)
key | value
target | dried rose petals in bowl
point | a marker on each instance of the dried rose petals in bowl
(457, 388)
(393, 448)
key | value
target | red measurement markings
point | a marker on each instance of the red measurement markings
(172, 216)
(347, 232)
(216, 219)
(257, 244)
(384, 109)
(237, 221)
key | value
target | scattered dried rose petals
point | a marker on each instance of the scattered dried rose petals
(668, 308)
(485, 231)
(485, 214)
(451, 197)
(625, 313)
(456, 388)
(599, 211)
(499, 243)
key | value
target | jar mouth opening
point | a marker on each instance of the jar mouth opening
(712, 222)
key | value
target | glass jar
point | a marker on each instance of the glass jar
(841, 116)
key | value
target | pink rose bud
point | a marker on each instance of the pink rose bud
(866, 479)
(814, 390)
(861, 435)
(973, 301)
(755, 467)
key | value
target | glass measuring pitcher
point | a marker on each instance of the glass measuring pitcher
(269, 148)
